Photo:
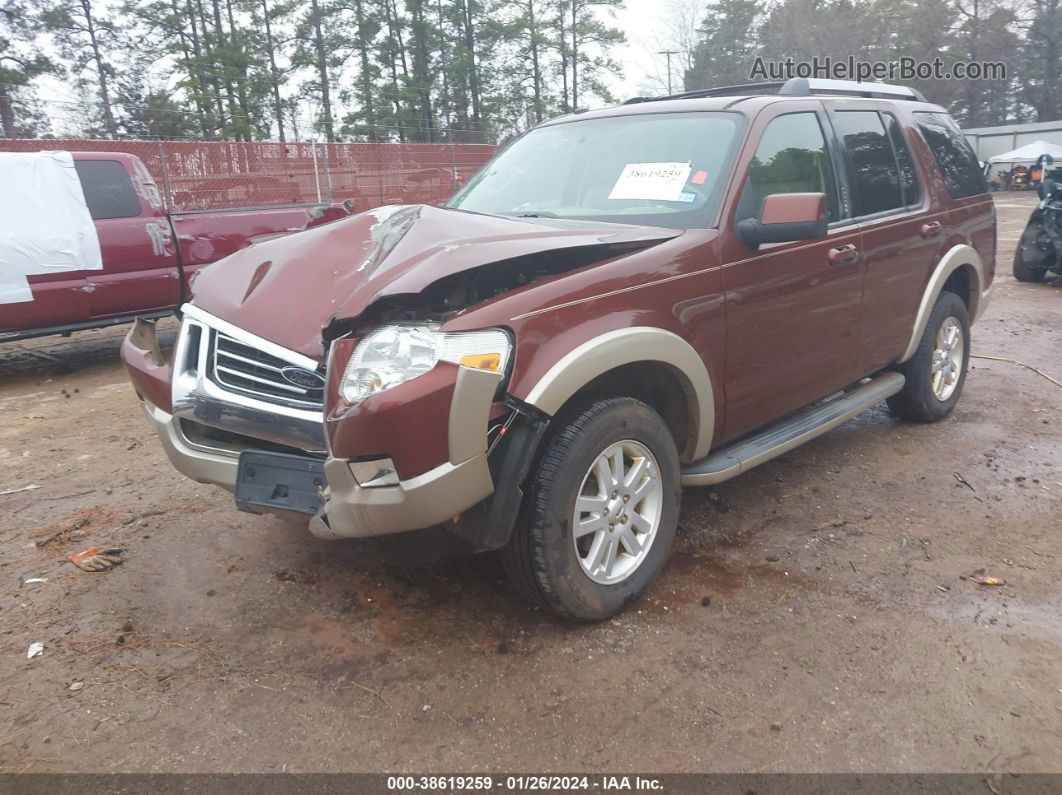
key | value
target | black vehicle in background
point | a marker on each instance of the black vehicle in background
(1039, 251)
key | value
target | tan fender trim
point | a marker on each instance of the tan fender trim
(470, 413)
(957, 257)
(628, 346)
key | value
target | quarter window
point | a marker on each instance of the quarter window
(874, 174)
(953, 154)
(912, 188)
(108, 190)
(791, 157)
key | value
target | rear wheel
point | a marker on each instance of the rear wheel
(601, 512)
(937, 371)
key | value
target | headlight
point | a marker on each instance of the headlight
(392, 355)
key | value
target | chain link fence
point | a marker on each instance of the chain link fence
(204, 175)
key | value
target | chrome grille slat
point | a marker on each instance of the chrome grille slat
(245, 360)
(249, 377)
(235, 365)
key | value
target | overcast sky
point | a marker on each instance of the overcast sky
(646, 35)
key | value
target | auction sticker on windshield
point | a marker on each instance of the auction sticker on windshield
(659, 181)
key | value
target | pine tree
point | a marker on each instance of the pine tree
(85, 41)
(20, 62)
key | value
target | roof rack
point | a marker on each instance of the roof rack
(719, 91)
(804, 86)
(798, 87)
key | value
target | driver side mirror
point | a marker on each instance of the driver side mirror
(785, 218)
(1046, 188)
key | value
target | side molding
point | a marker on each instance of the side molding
(957, 257)
(628, 346)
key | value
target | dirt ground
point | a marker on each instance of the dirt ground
(813, 616)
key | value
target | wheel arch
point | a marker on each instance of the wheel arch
(961, 270)
(612, 351)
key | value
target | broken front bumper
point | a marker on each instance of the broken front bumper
(349, 508)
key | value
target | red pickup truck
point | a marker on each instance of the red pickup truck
(148, 253)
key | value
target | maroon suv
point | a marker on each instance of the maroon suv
(622, 303)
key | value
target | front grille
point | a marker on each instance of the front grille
(242, 368)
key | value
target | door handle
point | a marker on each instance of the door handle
(844, 255)
(931, 229)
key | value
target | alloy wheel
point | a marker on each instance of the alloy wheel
(946, 366)
(617, 512)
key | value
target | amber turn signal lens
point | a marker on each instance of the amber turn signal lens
(482, 361)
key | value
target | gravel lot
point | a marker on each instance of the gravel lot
(813, 616)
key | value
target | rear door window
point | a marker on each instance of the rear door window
(953, 154)
(108, 190)
(791, 157)
(873, 171)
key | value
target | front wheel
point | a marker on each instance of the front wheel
(937, 371)
(601, 512)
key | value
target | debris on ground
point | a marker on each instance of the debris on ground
(1008, 360)
(145, 515)
(978, 576)
(833, 523)
(75, 686)
(35, 581)
(97, 559)
(31, 487)
(35, 650)
(43, 542)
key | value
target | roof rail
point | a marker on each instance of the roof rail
(805, 87)
(797, 87)
(718, 91)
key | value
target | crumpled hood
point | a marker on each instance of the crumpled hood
(288, 289)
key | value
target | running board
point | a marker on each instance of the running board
(791, 432)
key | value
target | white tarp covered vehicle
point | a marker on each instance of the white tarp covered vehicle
(45, 225)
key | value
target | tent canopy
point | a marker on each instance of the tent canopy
(1029, 153)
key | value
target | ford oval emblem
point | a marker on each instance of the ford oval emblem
(304, 378)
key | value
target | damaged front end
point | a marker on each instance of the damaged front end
(430, 451)
(314, 374)
(457, 292)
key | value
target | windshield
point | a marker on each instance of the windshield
(657, 169)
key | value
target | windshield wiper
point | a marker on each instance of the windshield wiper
(539, 214)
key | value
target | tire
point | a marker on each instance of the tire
(1023, 272)
(924, 398)
(556, 571)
